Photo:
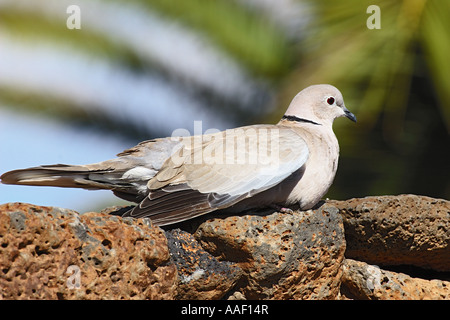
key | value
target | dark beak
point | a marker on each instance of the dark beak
(349, 115)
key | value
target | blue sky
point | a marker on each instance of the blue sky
(29, 141)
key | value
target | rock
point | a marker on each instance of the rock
(53, 253)
(363, 281)
(283, 256)
(398, 230)
(201, 276)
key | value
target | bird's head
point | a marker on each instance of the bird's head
(320, 104)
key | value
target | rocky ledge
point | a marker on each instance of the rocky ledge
(387, 247)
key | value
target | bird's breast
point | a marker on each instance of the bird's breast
(319, 170)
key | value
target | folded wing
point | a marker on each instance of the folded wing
(219, 170)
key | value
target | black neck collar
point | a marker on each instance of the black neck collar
(297, 119)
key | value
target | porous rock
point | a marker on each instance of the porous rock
(54, 253)
(201, 276)
(398, 230)
(283, 255)
(369, 282)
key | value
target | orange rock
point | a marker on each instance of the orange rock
(201, 276)
(398, 230)
(283, 256)
(53, 253)
(363, 281)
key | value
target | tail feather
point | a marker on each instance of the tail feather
(58, 175)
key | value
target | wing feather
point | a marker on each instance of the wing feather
(180, 192)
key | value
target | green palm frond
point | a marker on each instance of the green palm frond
(435, 38)
(374, 67)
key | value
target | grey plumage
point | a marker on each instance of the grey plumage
(179, 178)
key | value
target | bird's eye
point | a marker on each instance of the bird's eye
(330, 101)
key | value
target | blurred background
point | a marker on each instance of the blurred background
(140, 69)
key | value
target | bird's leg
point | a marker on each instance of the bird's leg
(286, 210)
(281, 209)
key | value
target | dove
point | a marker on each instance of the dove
(174, 179)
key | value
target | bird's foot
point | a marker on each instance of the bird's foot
(286, 210)
(281, 209)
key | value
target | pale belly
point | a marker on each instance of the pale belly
(320, 170)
